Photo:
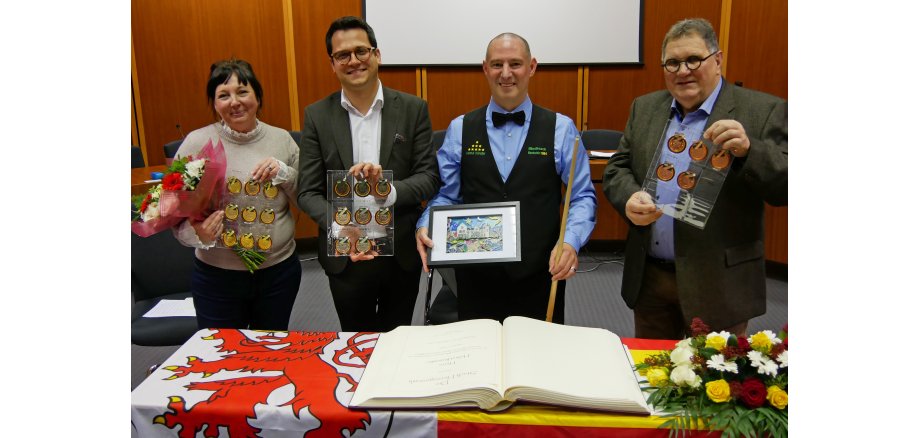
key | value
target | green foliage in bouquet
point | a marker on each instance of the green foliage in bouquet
(717, 381)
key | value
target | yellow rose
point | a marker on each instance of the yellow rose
(718, 391)
(777, 397)
(762, 341)
(716, 342)
(657, 376)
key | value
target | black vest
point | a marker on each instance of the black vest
(533, 181)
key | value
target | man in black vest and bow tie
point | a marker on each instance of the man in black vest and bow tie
(513, 150)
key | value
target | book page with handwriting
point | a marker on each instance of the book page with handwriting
(425, 361)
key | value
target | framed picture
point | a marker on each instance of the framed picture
(475, 233)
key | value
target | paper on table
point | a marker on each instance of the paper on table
(599, 154)
(166, 308)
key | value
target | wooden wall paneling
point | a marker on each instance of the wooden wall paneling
(453, 91)
(555, 88)
(776, 234)
(613, 88)
(176, 41)
(316, 78)
(399, 78)
(135, 140)
(759, 37)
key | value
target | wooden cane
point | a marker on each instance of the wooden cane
(565, 217)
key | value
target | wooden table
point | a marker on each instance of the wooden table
(140, 176)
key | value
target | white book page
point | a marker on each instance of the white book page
(579, 361)
(419, 361)
(166, 308)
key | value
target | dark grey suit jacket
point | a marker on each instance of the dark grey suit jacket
(405, 148)
(720, 270)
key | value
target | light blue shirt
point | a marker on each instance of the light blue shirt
(506, 143)
(692, 126)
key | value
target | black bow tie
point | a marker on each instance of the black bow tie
(499, 119)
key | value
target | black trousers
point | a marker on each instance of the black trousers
(238, 299)
(488, 292)
(375, 295)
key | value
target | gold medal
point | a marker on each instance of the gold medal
(341, 187)
(720, 159)
(229, 238)
(665, 171)
(383, 216)
(265, 242)
(270, 190)
(686, 180)
(342, 216)
(362, 215)
(363, 245)
(362, 188)
(267, 216)
(249, 214)
(382, 188)
(698, 151)
(342, 246)
(677, 143)
(247, 241)
(231, 212)
(252, 187)
(234, 185)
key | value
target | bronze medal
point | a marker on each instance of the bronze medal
(363, 245)
(234, 185)
(229, 238)
(698, 151)
(342, 246)
(267, 216)
(362, 188)
(252, 187)
(265, 242)
(383, 216)
(677, 143)
(270, 190)
(231, 212)
(247, 241)
(686, 180)
(341, 188)
(665, 171)
(720, 159)
(362, 215)
(342, 216)
(382, 188)
(249, 214)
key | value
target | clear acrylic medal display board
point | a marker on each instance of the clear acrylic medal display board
(686, 175)
(358, 221)
(248, 216)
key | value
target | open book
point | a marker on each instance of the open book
(482, 363)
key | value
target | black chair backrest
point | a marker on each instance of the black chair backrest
(606, 139)
(296, 136)
(170, 149)
(160, 265)
(137, 157)
(438, 138)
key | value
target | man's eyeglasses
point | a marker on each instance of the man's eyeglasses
(692, 63)
(362, 53)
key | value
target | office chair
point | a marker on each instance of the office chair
(437, 137)
(170, 149)
(296, 136)
(604, 139)
(137, 157)
(161, 268)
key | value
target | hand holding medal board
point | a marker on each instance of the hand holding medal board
(359, 222)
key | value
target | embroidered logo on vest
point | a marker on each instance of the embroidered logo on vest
(537, 150)
(475, 149)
